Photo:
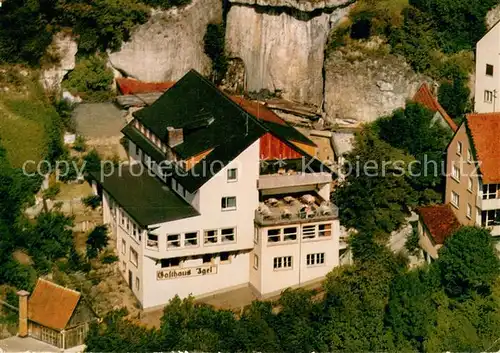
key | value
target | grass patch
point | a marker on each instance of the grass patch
(24, 124)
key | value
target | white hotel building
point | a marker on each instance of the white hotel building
(241, 203)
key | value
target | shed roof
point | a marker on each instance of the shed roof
(427, 99)
(440, 220)
(52, 305)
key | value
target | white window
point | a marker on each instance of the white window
(122, 217)
(134, 229)
(232, 174)
(469, 211)
(290, 233)
(228, 235)
(315, 259)
(124, 266)
(325, 230)
(488, 96)
(228, 203)
(173, 241)
(134, 257)
(459, 148)
(490, 191)
(255, 262)
(172, 262)
(283, 262)
(469, 155)
(137, 283)
(256, 236)
(211, 236)
(469, 184)
(309, 232)
(124, 246)
(455, 199)
(191, 239)
(273, 235)
(455, 173)
(225, 257)
(152, 241)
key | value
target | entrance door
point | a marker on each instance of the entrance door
(130, 279)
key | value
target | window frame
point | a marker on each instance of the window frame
(459, 148)
(196, 238)
(470, 184)
(256, 261)
(455, 173)
(169, 242)
(132, 252)
(215, 236)
(489, 72)
(328, 229)
(222, 235)
(148, 240)
(231, 179)
(315, 259)
(282, 263)
(224, 203)
(455, 204)
(469, 211)
(124, 247)
(488, 96)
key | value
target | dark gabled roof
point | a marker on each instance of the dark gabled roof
(194, 99)
(144, 197)
(210, 121)
(440, 221)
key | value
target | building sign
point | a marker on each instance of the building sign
(186, 272)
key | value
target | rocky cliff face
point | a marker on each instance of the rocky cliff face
(169, 44)
(282, 45)
(64, 48)
(364, 86)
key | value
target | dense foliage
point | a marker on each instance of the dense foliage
(396, 163)
(374, 305)
(91, 79)
(97, 241)
(214, 40)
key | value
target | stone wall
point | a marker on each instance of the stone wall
(169, 44)
(282, 48)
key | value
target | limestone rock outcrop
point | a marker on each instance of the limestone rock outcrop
(281, 45)
(367, 86)
(169, 44)
(64, 49)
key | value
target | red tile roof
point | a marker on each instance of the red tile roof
(131, 86)
(427, 99)
(484, 130)
(440, 221)
(258, 110)
(51, 305)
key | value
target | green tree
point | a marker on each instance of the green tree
(214, 40)
(468, 262)
(376, 193)
(255, 328)
(91, 78)
(97, 241)
(413, 130)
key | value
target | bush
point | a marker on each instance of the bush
(92, 201)
(214, 47)
(80, 145)
(65, 109)
(52, 191)
(411, 243)
(91, 78)
(97, 241)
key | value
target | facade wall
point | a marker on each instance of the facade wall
(488, 50)
(274, 280)
(465, 162)
(158, 292)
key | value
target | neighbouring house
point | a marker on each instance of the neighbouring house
(425, 97)
(435, 224)
(54, 314)
(229, 196)
(473, 172)
(487, 84)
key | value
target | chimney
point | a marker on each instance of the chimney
(174, 136)
(23, 313)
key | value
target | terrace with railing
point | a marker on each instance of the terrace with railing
(298, 208)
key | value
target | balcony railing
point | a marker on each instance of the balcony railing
(271, 181)
(325, 213)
